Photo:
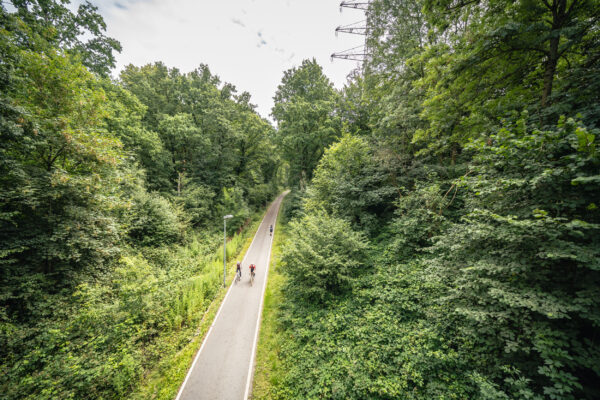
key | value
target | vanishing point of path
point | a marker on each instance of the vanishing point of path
(223, 367)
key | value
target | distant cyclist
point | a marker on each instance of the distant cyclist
(271, 230)
(238, 269)
(252, 269)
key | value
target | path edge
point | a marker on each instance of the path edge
(248, 390)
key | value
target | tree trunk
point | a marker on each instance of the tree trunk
(179, 184)
(550, 70)
(302, 180)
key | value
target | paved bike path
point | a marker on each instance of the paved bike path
(223, 366)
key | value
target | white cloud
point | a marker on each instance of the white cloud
(238, 22)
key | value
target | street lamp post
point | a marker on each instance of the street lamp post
(225, 218)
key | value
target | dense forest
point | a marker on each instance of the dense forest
(112, 193)
(447, 244)
(443, 236)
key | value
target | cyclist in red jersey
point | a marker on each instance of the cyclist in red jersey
(252, 269)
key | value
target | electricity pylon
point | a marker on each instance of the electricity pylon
(359, 53)
(359, 5)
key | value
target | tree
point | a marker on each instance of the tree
(506, 56)
(322, 257)
(145, 147)
(185, 143)
(350, 183)
(58, 26)
(213, 138)
(304, 110)
(60, 180)
(154, 221)
(521, 265)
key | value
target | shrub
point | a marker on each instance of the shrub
(154, 221)
(198, 204)
(322, 256)
(350, 183)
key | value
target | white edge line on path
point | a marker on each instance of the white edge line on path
(219, 311)
(262, 299)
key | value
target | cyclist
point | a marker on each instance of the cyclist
(238, 269)
(252, 268)
(271, 230)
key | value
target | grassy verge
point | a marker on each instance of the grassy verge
(163, 382)
(268, 370)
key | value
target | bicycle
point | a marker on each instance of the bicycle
(252, 278)
(238, 276)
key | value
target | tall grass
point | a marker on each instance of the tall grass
(193, 293)
(194, 298)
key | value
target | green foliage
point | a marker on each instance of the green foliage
(101, 273)
(500, 303)
(234, 203)
(55, 23)
(60, 170)
(383, 340)
(304, 105)
(526, 255)
(198, 203)
(350, 183)
(418, 219)
(322, 257)
(484, 283)
(124, 120)
(154, 221)
(212, 138)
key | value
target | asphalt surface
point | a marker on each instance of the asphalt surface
(223, 366)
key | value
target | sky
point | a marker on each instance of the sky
(248, 43)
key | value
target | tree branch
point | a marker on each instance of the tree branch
(53, 159)
(462, 4)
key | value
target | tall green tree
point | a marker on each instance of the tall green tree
(80, 32)
(351, 183)
(182, 138)
(60, 178)
(304, 109)
(501, 57)
(521, 266)
(145, 148)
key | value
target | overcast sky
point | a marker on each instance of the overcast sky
(248, 43)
